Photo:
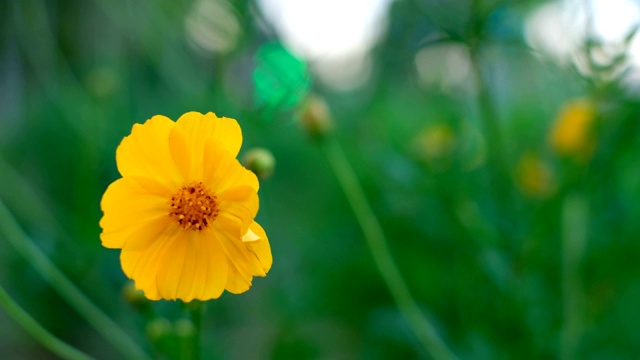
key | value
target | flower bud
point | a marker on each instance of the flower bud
(184, 328)
(435, 146)
(260, 161)
(534, 176)
(316, 117)
(158, 329)
(134, 296)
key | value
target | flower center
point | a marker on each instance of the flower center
(193, 207)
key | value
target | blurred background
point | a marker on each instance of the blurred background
(497, 142)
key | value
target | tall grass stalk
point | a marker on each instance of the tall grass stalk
(575, 220)
(418, 323)
(11, 231)
(39, 333)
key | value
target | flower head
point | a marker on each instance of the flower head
(534, 176)
(435, 145)
(572, 133)
(183, 211)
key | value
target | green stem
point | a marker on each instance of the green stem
(488, 115)
(486, 104)
(500, 184)
(39, 333)
(417, 322)
(197, 309)
(26, 203)
(65, 288)
(575, 219)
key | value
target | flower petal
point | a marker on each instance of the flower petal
(190, 266)
(250, 236)
(201, 128)
(132, 206)
(136, 237)
(170, 267)
(193, 267)
(237, 281)
(237, 252)
(146, 152)
(240, 280)
(204, 270)
(260, 248)
(201, 262)
(143, 265)
(180, 150)
(238, 207)
(217, 269)
(222, 171)
(179, 265)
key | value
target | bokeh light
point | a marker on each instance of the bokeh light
(559, 30)
(333, 35)
(212, 26)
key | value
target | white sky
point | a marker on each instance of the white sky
(327, 28)
(334, 35)
(558, 29)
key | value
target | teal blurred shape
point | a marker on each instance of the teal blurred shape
(280, 79)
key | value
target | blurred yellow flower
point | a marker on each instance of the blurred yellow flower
(572, 133)
(435, 144)
(183, 211)
(534, 177)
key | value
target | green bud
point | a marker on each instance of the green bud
(158, 328)
(134, 296)
(260, 161)
(316, 117)
(184, 328)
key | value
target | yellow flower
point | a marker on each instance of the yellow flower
(183, 211)
(534, 177)
(572, 133)
(435, 145)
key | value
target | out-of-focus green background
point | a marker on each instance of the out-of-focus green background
(448, 128)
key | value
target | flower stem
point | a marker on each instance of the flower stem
(196, 309)
(417, 322)
(488, 115)
(39, 333)
(575, 218)
(500, 183)
(10, 229)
